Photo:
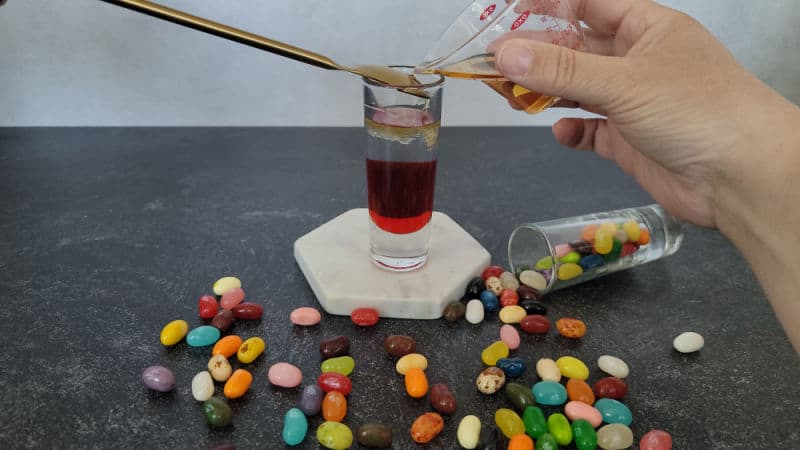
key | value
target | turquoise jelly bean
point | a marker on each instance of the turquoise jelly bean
(295, 427)
(614, 411)
(202, 336)
(550, 393)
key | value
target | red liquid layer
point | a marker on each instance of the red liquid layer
(400, 194)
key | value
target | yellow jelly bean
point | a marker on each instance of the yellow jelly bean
(493, 352)
(569, 271)
(509, 422)
(604, 241)
(225, 284)
(174, 332)
(609, 227)
(572, 367)
(251, 349)
(631, 228)
(411, 360)
(512, 314)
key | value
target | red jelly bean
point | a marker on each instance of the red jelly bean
(364, 317)
(656, 440)
(248, 311)
(628, 249)
(509, 297)
(610, 387)
(492, 271)
(535, 324)
(207, 306)
(332, 381)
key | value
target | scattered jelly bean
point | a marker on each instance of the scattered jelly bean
(202, 386)
(248, 311)
(469, 432)
(174, 332)
(332, 381)
(238, 384)
(474, 288)
(549, 393)
(569, 271)
(416, 382)
(474, 314)
(614, 411)
(510, 336)
(231, 298)
(426, 427)
(584, 435)
(588, 232)
(285, 375)
(223, 320)
(508, 422)
(492, 439)
(558, 427)
(615, 436)
(490, 380)
(520, 396)
(295, 427)
(590, 262)
(340, 364)
(546, 442)
(399, 345)
(454, 311)
(579, 410)
(610, 387)
(202, 336)
(334, 406)
(513, 367)
(579, 391)
(334, 435)
(509, 281)
(533, 279)
(217, 412)
(219, 368)
(512, 314)
(492, 271)
(227, 346)
(311, 399)
(305, 316)
(688, 342)
(207, 306)
(548, 370)
(535, 324)
(442, 399)
(656, 440)
(225, 284)
(490, 301)
(535, 425)
(520, 442)
(603, 241)
(570, 258)
(158, 378)
(374, 435)
(334, 346)
(411, 360)
(365, 317)
(495, 351)
(528, 293)
(644, 236)
(572, 367)
(509, 298)
(628, 249)
(251, 349)
(533, 307)
(613, 366)
(543, 263)
(571, 328)
(615, 253)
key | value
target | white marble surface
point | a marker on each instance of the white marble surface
(336, 262)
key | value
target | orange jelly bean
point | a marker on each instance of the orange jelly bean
(587, 234)
(416, 382)
(644, 236)
(227, 346)
(580, 391)
(334, 406)
(571, 328)
(237, 384)
(520, 442)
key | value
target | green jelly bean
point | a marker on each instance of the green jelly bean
(616, 250)
(341, 364)
(334, 435)
(558, 426)
(217, 412)
(546, 442)
(544, 263)
(520, 396)
(295, 427)
(571, 257)
(508, 422)
(533, 419)
(584, 435)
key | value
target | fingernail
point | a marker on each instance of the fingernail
(514, 59)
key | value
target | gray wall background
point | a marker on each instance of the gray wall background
(84, 62)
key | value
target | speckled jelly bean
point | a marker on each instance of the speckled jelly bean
(509, 298)
(454, 311)
(223, 320)
(510, 336)
(285, 375)
(533, 279)
(610, 387)
(374, 435)
(231, 298)
(569, 271)
(548, 370)
(493, 352)
(533, 307)
(509, 281)
(508, 422)
(426, 427)
(570, 258)
(334, 435)
(341, 364)
(513, 367)
(469, 432)
(225, 284)
(202, 386)
(411, 360)
(248, 311)
(158, 378)
(578, 410)
(527, 293)
(546, 442)
(613, 366)
(474, 288)
(614, 411)
(207, 306)
(688, 342)
(475, 312)
(334, 406)
(533, 419)
(217, 412)
(549, 393)
(442, 399)
(238, 383)
(490, 380)
(332, 381)
(535, 324)
(490, 301)
(365, 317)
(512, 314)
(219, 368)
(227, 346)
(492, 271)
(584, 435)
(416, 382)
(615, 436)
(202, 336)
(572, 367)
(543, 263)
(251, 349)
(603, 241)
(334, 346)
(571, 328)
(656, 440)
(311, 399)
(174, 332)
(590, 262)
(493, 284)
(558, 427)
(399, 345)
(579, 391)
(520, 396)
(305, 316)
(295, 427)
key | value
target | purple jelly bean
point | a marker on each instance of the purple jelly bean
(311, 399)
(158, 378)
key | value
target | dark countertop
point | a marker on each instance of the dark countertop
(108, 234)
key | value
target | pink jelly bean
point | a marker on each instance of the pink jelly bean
(578, 410)
(656, 440)
(285, 375)
(305, 316)
(403, 117)
(510, 336)
(562, 250)
(231, 298)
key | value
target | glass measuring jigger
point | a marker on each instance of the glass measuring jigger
(466, 49)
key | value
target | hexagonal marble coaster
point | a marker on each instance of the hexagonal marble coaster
(336, 262)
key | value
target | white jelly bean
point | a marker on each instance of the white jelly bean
(548, 370)
(613, 366)
(469, 432)
(533, 279)
(202, 386)
(474, 312)
(688, 342)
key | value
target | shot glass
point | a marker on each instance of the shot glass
(558, 253)
(402, 133)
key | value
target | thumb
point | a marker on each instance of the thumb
(559, 71)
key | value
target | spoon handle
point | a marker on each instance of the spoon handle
(224, 31)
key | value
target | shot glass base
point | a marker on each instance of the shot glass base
(398, 264)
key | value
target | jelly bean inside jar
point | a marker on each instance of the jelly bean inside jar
(558, 253)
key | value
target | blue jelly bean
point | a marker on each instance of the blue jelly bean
(295, 427)
(202, 336)
(490, 301)
(614, 411)
(589, 262)
(549, 393)
(513, 367)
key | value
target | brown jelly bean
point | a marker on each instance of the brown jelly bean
(374, 435)
(527, 293)
(399, 345)
(535, 324)
(582, 247)
(454, 311)
(223, 320)
(442, 399)
(610, 387)
(334, 346)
